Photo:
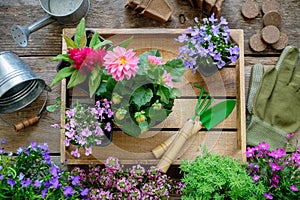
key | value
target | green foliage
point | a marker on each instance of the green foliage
(212, 176)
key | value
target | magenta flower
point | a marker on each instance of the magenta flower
(92, 60)
(294, 188)
(268, 195)
(79, 55)
(121, 62)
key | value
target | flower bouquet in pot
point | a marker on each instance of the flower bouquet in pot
(141, 87)
(207, 46)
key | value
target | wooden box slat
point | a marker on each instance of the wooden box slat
(227, 138)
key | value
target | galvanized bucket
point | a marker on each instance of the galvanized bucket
(19, 86)
(64, 11)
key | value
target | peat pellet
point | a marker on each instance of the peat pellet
(272, 18)
(250, 9)
(269, 5)
(270, 34)
(281, 43)
(256, 43)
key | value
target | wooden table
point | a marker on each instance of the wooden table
(47, 42)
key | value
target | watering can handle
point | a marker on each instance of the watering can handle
(40, 23)
(26, 123)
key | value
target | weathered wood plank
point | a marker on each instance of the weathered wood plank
(113, 14)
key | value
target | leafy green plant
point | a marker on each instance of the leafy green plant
(212, 176)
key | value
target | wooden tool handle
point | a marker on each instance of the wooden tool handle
(27, 122)
(162, 148)
(171, 153)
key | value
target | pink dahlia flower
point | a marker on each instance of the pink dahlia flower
(121, 62)
(154, 60)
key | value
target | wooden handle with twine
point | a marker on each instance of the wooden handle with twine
(26, 123)
(159, 150)
(172, 151)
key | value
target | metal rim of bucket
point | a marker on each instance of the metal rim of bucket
(23, 97)
(65, 14)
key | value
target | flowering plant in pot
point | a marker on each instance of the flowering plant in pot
(207, 46)
(87, 126)
(145, 99)
(30, 174)
(278, 170)
(141, 87)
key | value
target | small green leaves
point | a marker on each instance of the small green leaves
(63, 73)
(54, 107)
(80, 36)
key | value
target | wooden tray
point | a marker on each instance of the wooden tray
(228, 138)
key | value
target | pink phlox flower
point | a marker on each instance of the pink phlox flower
(98, 131)
(108, 126)
(275, 166)
(86, 132)
(167, 79)
(71, 113)
(263, 146)
(70, 134)
(290, 135)
(294, 188)
(268, 195)
(75, 153)
(67, 142)
(92, 60)
(121, 62)
(154, 60)
(55, 125)
(278, 153)
(79, 55)
(88, 151)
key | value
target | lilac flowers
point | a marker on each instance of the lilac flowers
(278, 170)
(86, 125)
(115, 182)
(210, 40)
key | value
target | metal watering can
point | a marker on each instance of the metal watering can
(19, 87)
(64, 11)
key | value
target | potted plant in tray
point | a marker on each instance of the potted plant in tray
(141, 87)
(207, 46)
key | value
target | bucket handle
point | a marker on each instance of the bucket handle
(31, 121)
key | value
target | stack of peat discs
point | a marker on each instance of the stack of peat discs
(270, 34)
(159, 10)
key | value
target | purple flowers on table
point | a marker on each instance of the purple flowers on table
(31, 175)
(278, 170)
(210, 40)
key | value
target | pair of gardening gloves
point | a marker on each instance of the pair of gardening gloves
(274, 101)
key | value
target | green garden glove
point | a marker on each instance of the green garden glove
(276, 105)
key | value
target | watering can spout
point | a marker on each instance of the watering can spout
(20, 35)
